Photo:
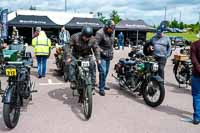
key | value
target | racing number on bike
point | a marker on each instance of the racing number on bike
(11, 72)
(85, 63)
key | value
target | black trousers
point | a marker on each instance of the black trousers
(161, 63)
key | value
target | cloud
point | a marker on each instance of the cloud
(151, 11)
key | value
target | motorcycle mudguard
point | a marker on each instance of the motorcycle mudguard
(158, 78)
(7, 97)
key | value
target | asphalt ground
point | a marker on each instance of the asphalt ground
(54, 109)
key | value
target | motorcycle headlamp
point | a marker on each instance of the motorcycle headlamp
(155, 67)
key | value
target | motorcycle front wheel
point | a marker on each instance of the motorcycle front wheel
(11, 113)
(87, 102)
(154, 93)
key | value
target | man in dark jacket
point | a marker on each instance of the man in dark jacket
(105, 40)
(195, 56)
(82, 44)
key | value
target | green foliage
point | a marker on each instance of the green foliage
(115, 17)
(174, 24)
(188, 35)
(101, 17)
(181, 25)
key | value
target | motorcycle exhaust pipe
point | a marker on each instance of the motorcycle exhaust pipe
(33, 87)
(115, 76)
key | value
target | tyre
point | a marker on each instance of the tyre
(65, 73)
(11, 113)
(87, 102)
(180, 75)
(65, 76)
(154, 93)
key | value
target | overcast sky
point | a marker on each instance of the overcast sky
(152, 11)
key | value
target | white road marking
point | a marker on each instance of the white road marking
(50, 83)
(187, 120)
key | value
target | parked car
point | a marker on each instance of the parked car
(179, 41)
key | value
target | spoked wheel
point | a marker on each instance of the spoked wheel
(87, 102)
(154, 93)
(173, 47)
(11, 113)
(65, 72)
(180, 75)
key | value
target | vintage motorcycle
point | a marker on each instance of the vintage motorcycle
(84, 85)
(15, 51)
(140, 76)
(19, 87)
(182, 67)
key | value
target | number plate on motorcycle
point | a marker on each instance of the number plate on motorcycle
(85, 63)
(11, 72)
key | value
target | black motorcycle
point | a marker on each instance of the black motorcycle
(183, 71)
(183, 68)
(84, 85)
(19, 88)
(140, 76)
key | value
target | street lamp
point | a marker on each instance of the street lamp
(65, 5)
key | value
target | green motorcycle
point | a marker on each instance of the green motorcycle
(84, 85)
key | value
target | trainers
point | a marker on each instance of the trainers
(73, 85)
(106, 88)
(102, 93)
(93, 90)
(196, 122)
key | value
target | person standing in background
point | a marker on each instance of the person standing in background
(64, 36)
(42, 49)
(121, 40)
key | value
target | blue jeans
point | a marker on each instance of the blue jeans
(41, 61)
(120, 43)
(196, 97)
(103, 72)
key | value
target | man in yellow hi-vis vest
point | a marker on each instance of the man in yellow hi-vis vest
(42, 47)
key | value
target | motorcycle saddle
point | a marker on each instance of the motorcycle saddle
(127, 61)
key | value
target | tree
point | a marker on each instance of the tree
(181, 25)
(101, 17)
(115, 17)
(32, 8)
(174, 24)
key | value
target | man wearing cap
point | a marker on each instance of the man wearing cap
(160, 46)
(105, 40)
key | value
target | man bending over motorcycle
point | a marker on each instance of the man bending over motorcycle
(82, 44)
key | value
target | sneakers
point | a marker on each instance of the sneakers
(73, 85)
(106, 88)
(102, 93)
(196, 122)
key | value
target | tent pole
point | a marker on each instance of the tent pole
(32, 32)
(137, 38)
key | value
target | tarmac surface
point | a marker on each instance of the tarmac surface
(54, 109)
